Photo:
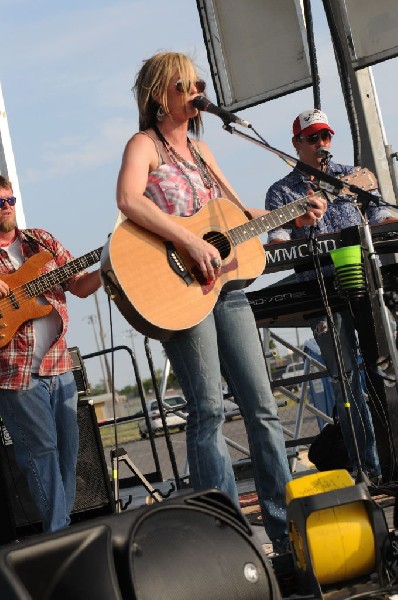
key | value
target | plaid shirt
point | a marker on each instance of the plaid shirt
(16, 357)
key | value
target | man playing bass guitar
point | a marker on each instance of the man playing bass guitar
(38, 395)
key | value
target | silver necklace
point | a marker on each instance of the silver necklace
(185, 166)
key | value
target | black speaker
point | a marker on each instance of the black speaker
(195, 546)
(93, 489)
(19, 516)
(60, 566)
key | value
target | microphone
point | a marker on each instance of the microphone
(324, 154)
(325, 157)
(203, 103)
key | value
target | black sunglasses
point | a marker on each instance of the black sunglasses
(184, 87)
(11, 201)
(324, 135)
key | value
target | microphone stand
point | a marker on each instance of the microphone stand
(333, 185)
(314, 251)
(325, 181)
(342, 377)
(378, 283)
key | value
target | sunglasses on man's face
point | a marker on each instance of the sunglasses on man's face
(184, 87)
(11, 201)
(315, 137)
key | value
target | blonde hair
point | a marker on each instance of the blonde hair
(152, 81)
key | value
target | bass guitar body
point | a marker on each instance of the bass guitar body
(28, 283)
(19, 306)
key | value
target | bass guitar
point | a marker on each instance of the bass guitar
(26, 285)
(157, 286)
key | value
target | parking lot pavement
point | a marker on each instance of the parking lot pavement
(140, 452)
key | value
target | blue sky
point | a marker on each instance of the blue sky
(66, 70)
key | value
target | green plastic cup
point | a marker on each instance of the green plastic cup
(350, 275)
(349, 269)
(348, 255)
(351, 282)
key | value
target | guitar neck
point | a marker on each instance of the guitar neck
(276, 218)
(48, 280)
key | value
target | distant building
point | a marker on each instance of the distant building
(103, 404)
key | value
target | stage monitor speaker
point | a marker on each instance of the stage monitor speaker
(257, 50)
(93, 489)
(195, 546)
(372, 30)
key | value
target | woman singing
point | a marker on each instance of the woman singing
(167, 171)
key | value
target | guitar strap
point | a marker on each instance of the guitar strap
(119, 220)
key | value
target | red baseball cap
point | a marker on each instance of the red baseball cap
(310, 121)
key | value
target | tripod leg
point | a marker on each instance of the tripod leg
(120, 455)
(149, 488)
(115, 480)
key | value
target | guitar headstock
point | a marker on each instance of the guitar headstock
(362, 178)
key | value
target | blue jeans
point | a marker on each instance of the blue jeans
(360, 413)
(42, 422)
(227, 343)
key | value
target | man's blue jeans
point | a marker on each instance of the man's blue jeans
(42, 422)
(227, 342)
(361, 418)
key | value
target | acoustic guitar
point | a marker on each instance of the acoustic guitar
(26, 285)
(157, 286)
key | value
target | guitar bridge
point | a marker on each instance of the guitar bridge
(177, 264)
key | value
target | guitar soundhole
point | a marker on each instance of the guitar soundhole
(219, 240)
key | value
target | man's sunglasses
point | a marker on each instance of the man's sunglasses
(184, 87)
(315, 137)
(11, 201)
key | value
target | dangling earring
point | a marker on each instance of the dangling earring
(160, 113)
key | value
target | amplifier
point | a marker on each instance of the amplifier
(79, 372)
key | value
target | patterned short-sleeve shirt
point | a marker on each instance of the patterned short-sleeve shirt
(340, 214)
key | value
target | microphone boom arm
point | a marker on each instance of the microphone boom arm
(326, 181)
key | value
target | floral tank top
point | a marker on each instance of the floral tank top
(171, 190)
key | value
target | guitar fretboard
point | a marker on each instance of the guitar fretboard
(48, 280)
(361, 178)
(276, 218)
